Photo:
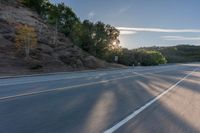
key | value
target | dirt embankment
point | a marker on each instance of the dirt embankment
(47, 56)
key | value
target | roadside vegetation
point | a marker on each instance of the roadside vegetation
(141, 57)
(26, 38)
(99, 39)
(179, 53)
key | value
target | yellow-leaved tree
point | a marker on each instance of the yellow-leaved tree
(26, 38)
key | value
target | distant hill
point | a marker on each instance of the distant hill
(179, 53)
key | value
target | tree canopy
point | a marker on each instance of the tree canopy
(98, 39)
(38, 5)
(141, 57)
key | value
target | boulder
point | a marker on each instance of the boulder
(45, 48)
(34, 64)
(10, 37)
(4, 27)
(90, 62)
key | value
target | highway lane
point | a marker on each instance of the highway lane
(80, 75)
(35, 84)
(88, 108)
(177, 112)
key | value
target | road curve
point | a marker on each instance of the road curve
(149, 99)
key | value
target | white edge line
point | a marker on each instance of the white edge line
(64, 88)
(136, 112)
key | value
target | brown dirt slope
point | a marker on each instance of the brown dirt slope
(46, 57)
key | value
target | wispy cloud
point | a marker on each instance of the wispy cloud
(159, 30)
(124, 9)
(127, 32)
(180, 38)
(91, 14)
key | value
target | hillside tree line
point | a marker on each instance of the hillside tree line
(98, 39)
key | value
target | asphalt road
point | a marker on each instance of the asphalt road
(161, 99)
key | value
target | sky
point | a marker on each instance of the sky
(144, 23)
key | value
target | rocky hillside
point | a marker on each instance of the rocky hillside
(46, 57)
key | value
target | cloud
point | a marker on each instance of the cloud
(124, 9)
(180, 38)
(91, 14)
(127, 32)
(158, 30)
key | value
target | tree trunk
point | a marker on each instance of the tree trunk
(55, 33)
(27, 47)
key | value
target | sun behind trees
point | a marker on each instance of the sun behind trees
(95, 38)
(99, 39)
(26, 38)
